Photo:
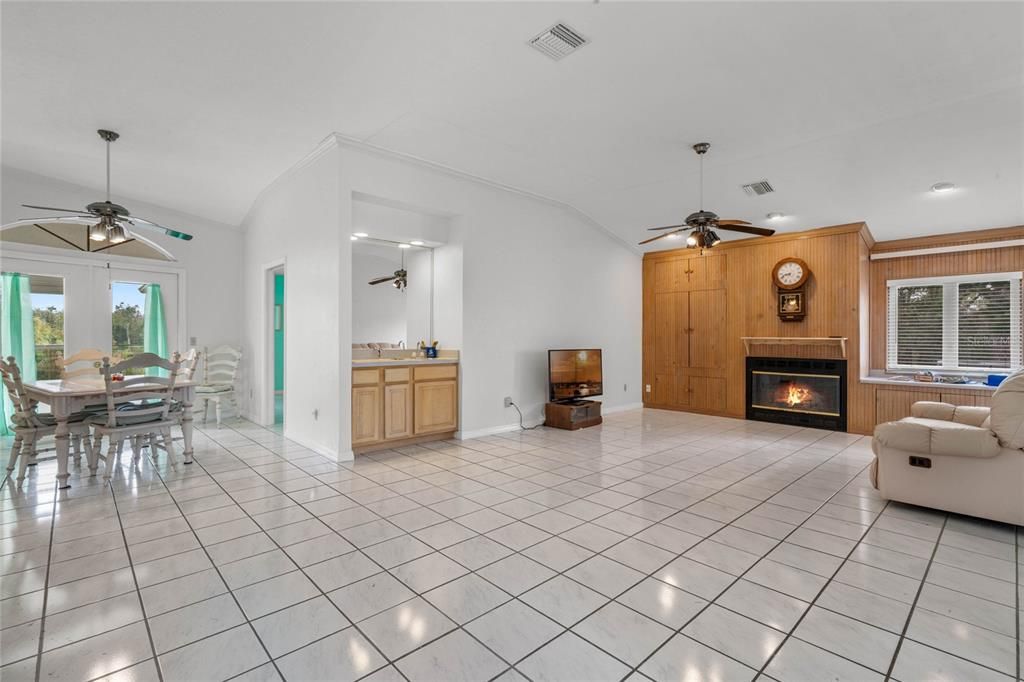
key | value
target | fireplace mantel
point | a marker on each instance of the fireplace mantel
(834, 341)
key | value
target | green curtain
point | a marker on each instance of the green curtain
(154, 329)
(17, 335)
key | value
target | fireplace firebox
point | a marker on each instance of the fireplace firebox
(797, 391)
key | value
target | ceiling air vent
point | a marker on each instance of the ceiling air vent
(756, 189)
(558, 41)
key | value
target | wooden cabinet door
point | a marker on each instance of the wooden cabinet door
(706, 272)
(671, 345)
(397, 411)
(435, 405)
(707, 393)
(670, 390)
(957, 399)
(366, 421)
(894, 404)
(670, 275)
(707, 329)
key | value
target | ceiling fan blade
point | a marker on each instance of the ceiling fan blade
(149, 224)
(667, 227)
(732, 222)
(68, 220)
(62, 210)
(664, 234)
(759, 231)
(381, 280)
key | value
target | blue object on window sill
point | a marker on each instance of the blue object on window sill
(995, 379)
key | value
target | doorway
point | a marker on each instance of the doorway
(279, 346)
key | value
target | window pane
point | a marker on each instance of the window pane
(919, 325)
(984, 324)
(126, 318)
(48, 321)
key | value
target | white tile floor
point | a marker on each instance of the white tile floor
(661, 545)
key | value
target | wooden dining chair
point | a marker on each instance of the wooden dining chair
(30, 426)
(84, 363)
(136, 405)
(221, 371)
(186, 372)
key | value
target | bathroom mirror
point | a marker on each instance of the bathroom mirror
(395, 312)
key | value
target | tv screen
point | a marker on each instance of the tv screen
(574, 373)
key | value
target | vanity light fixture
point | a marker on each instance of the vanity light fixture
(416, 242)
(405, 246)
(354, 238)
(940, 187)
(360, 234)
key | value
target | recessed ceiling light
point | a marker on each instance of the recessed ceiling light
(416, 242)
(405, 246)
(775, 215)
(943, 187)
(354, 238)
(360, 234)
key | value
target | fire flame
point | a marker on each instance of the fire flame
(796, 395)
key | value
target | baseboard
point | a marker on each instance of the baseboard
(494, 430)
(345, 456)
(620, 408)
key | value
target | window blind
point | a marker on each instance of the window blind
(964, 323)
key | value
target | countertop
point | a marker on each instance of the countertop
(938, 385)
(384, 362)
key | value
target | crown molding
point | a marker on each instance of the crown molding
(325, 145)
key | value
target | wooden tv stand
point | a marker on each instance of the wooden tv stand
(575, 415)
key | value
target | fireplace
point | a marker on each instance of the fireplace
(797, 391)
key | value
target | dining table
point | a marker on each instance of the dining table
(67, 396)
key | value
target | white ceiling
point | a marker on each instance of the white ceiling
(852, 110)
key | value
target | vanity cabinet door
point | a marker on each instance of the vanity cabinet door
(397, 411)
(366, 421)
(436, 406)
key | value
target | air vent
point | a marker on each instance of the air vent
(558, 41)
(756, 189)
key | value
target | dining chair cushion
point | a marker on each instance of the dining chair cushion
(125, 419)
(48, 419)
(215, 388)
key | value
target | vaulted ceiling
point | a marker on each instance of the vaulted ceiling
(851, 110)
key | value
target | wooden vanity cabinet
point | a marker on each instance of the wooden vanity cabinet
(408, 403)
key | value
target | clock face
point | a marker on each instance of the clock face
(790, 273)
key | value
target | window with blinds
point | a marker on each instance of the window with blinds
(969, 323)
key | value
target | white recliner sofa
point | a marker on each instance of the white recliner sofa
(967, 460)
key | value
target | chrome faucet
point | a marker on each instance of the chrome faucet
(380, 352)
(401, 344)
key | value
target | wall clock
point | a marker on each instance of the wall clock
(790, 275)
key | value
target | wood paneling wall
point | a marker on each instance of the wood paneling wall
(845, 297)
(837, 289)
(1006, 259)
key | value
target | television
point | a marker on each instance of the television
(574, 374)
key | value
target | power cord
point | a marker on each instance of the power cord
(521, 425)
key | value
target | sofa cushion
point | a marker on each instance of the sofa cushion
(1008, 411)
(964, 414)
(937, 437)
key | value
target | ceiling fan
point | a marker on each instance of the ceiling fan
(703, 223)
(107, 221)
(398, 279)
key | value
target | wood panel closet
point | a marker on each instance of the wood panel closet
(685, 315)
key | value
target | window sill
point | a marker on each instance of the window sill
(892, 380)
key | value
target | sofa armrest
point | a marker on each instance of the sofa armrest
(962, 414)
(937, 437)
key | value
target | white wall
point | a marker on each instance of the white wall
(535, 275)
(211, 261)
(297, 220)
(378, 312)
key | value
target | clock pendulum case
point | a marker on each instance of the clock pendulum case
(790, 275)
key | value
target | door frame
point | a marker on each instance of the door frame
(266, 336)
(96, 264)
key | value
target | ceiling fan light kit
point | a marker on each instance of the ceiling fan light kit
(703, 223)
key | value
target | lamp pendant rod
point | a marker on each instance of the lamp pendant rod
(108, 171)
(701, 177)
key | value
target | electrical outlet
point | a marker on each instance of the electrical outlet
(625, 388)
(508, 401)
(647, 388)
(316, 414)
(192, 341)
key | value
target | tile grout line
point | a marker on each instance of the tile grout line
(135, 581)
(1017, 559)
(46, 583)
(917, 597)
